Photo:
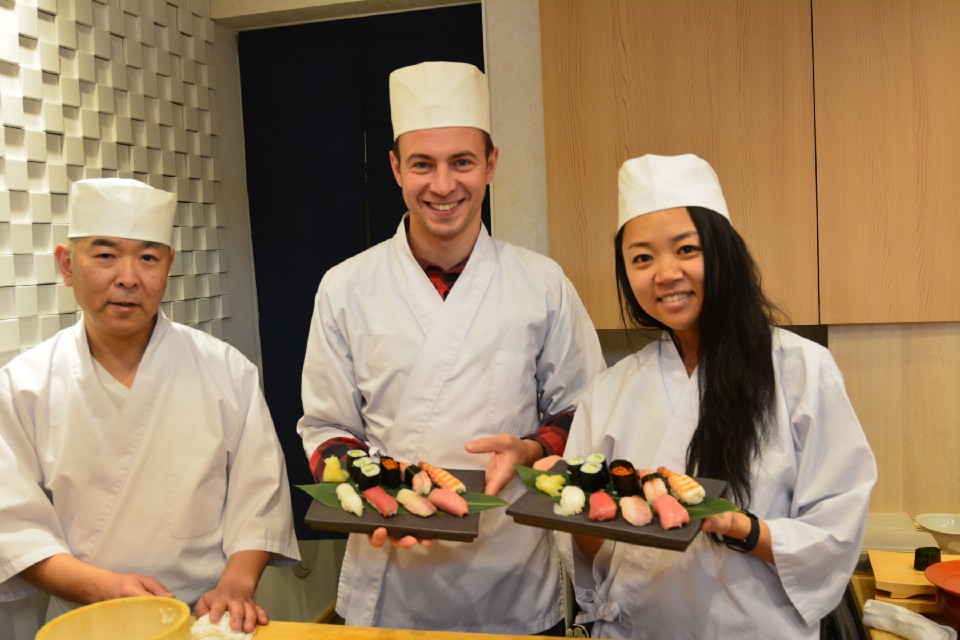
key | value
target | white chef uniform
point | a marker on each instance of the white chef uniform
(389, 362)
(189, 472)
(811, 486)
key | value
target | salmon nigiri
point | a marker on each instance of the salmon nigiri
(443, 478)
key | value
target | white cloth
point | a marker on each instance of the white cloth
(654, 183)
(389, 362)
(433, 95)
(143, 489)
(203, 629)
(811, 486)
(903, 622)
(121, 208)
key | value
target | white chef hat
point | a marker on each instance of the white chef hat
(654, 183)
(121, 208)
(432, 95)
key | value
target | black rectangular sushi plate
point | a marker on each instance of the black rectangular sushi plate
(535, 509)
(439, 526)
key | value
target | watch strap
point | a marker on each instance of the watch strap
(750, 542)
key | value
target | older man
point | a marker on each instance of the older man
(138, 455)
(446, 345)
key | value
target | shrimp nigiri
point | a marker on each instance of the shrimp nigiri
(685, 488)
(442, 478)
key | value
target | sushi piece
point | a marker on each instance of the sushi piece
(449, 501)
(389, 472)
(356, 464)
(601, 460)
(602, 506)
(353, 454)
(652, 483)
(624, 478)
(572, 499)
(685, 488)
(635, 510)
(415, 503)
(670, 512)
(443, 478)
(349, 499)
(333, 472)
(573, 470)
(369, 476)
(591, 477)
(382, 501)
(550, 484)
(416, 478)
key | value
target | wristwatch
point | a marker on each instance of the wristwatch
(747, 544)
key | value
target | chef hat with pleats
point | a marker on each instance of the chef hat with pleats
(121, 208)
(432, 95)
(654, 183)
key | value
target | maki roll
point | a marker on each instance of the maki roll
(601, 460)
(389, 472)
(369, 476)
(353, 454)
(624, 478)
(573, 471)
(356, 464)
(591, 477)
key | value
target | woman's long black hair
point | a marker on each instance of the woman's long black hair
(735, 365)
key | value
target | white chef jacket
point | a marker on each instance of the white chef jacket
(389, 362)
(811, 485)
(189, 472)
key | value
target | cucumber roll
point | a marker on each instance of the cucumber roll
(369, 476)
(591, 477)
(389, 472)
(624, 477)
(573, 471)
(355, 465)
(600, 460)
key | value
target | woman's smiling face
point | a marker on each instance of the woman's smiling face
(663, 257)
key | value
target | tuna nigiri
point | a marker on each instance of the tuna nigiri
(670, 512)
(685, 488)
(415, 503)
(381, 501)
(449, 501)
(635, 510)
(443, 478)
(571, 503)
(602, 506)
(652, 484)
(349, 499)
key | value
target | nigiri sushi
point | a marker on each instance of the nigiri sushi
(670, 512)
(685, 488)
(415, 503)
(443, 478)
(652, 484)
(635, 510)
(449, 501)
(602, 506)
(572, 499)
(382, 501)
(416, 478)
(349, 499)
(624, 478)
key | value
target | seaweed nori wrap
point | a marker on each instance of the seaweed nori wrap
(601, 460)
(408, 473)
(355, 465)
(389, 472)
(573, 471)
(624, 477)
(369, 476)
(591, 477)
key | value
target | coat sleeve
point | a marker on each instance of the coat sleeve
(331, 399)
(258, 513)
(30, 530)
(817, 547)
(571, 355)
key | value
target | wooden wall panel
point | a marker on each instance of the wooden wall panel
(903, 381)
(888, 156)
(729, 81)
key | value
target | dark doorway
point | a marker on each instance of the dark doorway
(316, 119)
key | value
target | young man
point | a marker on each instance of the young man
(445, 345)
(138, 455)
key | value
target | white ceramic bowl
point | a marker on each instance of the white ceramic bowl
(945, 528)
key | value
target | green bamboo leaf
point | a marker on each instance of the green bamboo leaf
(326, 494)
(529, 475)
(710, 507)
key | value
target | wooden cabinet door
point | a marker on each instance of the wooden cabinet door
(888, 159)
(729, 81)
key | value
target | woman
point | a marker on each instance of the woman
(721, 394)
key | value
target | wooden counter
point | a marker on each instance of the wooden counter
(309, 631)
